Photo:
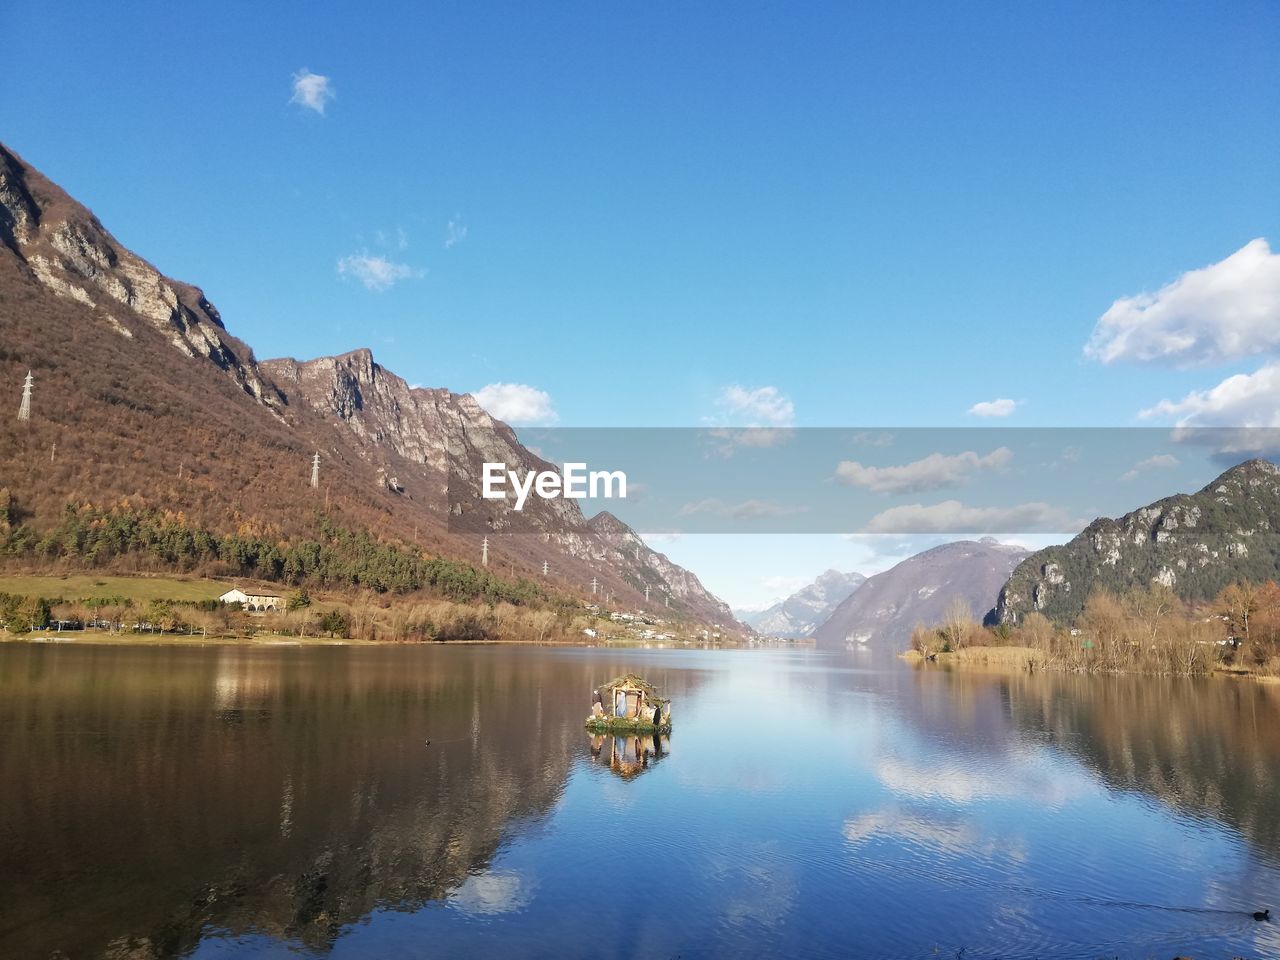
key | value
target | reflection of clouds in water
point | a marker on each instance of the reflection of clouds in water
(943, 836)
(491, 894)
(956, 783)
(758, 881)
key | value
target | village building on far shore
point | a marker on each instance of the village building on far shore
(253, 602)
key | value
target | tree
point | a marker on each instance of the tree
(300, 600)
(1238, 603)
(955, 624)
(333, 622)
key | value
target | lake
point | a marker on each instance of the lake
(434, 801)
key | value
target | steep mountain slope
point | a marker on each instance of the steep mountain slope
(1194, 543)
(885, 609)
(806, 609)
(143, 398)
(624, 550)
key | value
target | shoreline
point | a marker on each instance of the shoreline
(266, 640)
(1029, 660)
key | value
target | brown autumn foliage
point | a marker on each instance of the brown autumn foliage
(1149, 631)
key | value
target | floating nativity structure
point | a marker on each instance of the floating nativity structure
(628, 704)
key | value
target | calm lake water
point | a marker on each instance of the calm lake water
(282, 802)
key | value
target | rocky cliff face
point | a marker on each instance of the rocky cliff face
(885, 609)
(806, 609)
(431, 443)
(64, 248)
(1194, 543)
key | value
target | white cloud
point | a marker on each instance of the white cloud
(454, 233)
(760, 406)
(952, 516)
(1223, 312)
(745, 510)
(375, 272)
(1162, 461)
(1240, 415)
(993, 408)
(931, 473)
(725, 441)
(516, 403)
(1245, 400)
(312, 91)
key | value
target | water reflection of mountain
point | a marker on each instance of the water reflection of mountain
(1208, 749)
(148, 796)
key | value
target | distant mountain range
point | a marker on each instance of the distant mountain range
(802, 612)
(142, 397)
(1194, 543)
(886, 608)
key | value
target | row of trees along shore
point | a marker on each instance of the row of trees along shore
(91, 537)
(389, 591)
(1146, 630)
(406, 620)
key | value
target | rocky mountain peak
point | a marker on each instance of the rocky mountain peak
(1194, 544)
(606, 524)
(66, 249)
(885, 609)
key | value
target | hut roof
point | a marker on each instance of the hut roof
(631, 680)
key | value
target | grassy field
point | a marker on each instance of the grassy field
(138, 589)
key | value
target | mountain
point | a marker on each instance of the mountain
(144, 401)
(885, 609)
(799, 614)
(1194, 543)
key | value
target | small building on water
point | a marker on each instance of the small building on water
(628, 704)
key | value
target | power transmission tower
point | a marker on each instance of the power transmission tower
(544, 568)
(24, 411)
(646, 593)
(484, 552)
(315, 471)
(594, 585)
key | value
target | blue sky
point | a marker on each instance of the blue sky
(878, 214)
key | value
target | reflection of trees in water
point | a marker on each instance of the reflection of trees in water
(149, 794)
(1208, 748)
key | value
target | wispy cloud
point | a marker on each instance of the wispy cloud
(377, 273)
(455, 232)
(758, 406)
(1223, 312)
(952, 516)
(744, 510)
(933, 472)
(517, 404)
(397, 239)
(1163, 461)
(993, 408)
(873, 438)
(312, 91)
